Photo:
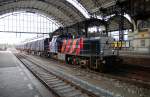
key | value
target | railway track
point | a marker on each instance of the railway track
(135, 74)
(59, 86)
(139, 76)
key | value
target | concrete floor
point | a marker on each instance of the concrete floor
(17, 81)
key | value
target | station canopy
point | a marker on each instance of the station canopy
(65, 12)
(62, 11)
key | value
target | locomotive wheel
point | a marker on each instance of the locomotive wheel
(69, 60)
(77, 61)
(102, 66)
(74, 61)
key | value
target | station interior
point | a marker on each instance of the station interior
(74, 48)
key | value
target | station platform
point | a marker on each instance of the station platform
(135, 54)
(17, 81)
(135, 58)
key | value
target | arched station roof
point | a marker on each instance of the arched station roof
(64, 11)
(60, 10)
(93, 5)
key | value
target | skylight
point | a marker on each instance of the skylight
(77, 5)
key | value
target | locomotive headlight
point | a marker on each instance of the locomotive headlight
(101, 52)
(104, 62)
(113, 51)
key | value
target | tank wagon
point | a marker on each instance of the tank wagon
(78, 45)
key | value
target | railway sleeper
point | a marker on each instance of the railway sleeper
(33, 67)
(58, 85)
(44, 74)
(68, 90)
(62, 88)
(75, 93)
(55, 82)
(48, 75)
(40, 72)
(50, 78)
(84, 95)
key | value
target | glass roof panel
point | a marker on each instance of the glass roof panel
(77, 5)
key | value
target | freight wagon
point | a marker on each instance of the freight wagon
(38, 47)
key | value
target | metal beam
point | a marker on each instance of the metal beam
(23, 32)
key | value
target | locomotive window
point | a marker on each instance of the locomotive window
(96, 29)
(115, 34)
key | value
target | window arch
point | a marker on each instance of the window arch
(27, 22)
(13, 26)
